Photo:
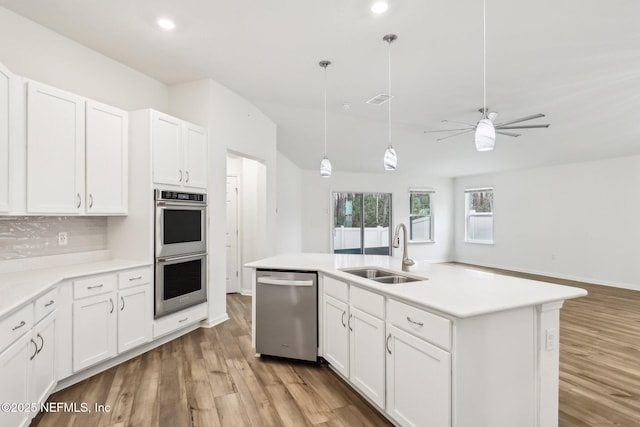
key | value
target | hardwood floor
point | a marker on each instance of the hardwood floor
(210, 377)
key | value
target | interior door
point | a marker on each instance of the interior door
(233, 271)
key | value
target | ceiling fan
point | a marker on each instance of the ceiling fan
(485, 129)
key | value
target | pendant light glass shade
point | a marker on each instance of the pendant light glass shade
(485, 137)
(390, 159)
(325, 164)
(325, 168)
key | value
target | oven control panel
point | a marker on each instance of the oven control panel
(180, 196)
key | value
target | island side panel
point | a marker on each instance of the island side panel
(548, 334)
(494, 370)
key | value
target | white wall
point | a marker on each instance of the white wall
(289, 207)
(576, 221)
(235, 126)
(316, 208)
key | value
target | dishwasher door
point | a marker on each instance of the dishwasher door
(287, 314)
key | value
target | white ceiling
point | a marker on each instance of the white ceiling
(577, 61)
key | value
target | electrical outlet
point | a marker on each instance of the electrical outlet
(62, 238)
(551, 339)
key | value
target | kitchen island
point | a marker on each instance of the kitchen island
(459, 348)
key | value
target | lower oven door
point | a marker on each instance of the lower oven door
(181, 282)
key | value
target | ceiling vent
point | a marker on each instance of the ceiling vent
(379, 99)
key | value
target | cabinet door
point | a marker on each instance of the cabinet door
(166, 138)
(14, 371)
(418, 381)
(43, 365)
(366, 359)
(5, 134)
(55, 151)
(336, 334)
(195, 157)
(134, 317)
(94, 330)
(106, 159)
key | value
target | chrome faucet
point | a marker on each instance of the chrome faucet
(406, 261)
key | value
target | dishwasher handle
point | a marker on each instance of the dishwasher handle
(284, 282)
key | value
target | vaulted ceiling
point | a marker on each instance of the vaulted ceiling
(576, 61)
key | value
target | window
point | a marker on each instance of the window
(420, 216)
(479, 215)
(361, 223)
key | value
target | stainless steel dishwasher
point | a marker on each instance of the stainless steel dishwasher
(287, 314)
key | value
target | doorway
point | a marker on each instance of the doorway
(232, 236)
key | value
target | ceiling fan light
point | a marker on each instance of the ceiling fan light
(325, 168)
(390, 159)
(485, 137)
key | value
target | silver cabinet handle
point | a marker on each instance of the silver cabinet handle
(90, 200)
(187, 172)
(342, 319)
(95, 286)
(79, 198)
(414, 322)
(41, 345)
(284, 282)
(183, 320)
(350, 316)
(387, 345)
(131, 279)
(15, 328)
(122, 300)
(35, 351)
(51, 302)
(112, 306)
(180, 172)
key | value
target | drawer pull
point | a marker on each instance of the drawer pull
(41, 345)
(96, 286)
(342, 318)
(51, 302)
(414, 322)
(35, 351)
(387, 344)
(131, 279)
(183, 320)
(15, 328)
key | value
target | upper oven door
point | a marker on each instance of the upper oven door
(180, 228)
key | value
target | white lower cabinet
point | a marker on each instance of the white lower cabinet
(94, 330)
(42, 378)
(134, 315)
(366, 367)
(336, 334)
(14, 371)
(418, 381)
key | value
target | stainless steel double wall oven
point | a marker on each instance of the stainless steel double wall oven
(180, 250)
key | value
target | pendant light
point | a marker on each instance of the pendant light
(390, 156)
(485, 136)
(325, 164)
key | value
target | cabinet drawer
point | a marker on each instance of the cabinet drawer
(176, 321)
(46, 304)
(130, 278)
(423, 324)
(15, 325)
(94, 285)
(369, 302)
(336, 288)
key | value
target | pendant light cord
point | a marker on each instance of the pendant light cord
(484, 59)
(325, 110)
(389, 53)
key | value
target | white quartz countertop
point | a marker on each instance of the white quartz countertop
(21, 287)
(451, 289)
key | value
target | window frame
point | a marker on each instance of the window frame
(431, 193)
(467, 215)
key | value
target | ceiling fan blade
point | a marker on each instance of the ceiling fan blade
(460, 123)
(448, 130)
(455, 134)
(508, 133)
(523, 127)
(522, 119)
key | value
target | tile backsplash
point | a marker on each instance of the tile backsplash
(34, 236)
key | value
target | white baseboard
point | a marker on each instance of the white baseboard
(246, 293)
(210, 323)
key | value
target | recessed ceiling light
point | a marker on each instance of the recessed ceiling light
(166, 24)
(379, 7)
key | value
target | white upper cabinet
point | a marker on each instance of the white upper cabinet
(5, 133)
(179, 152)
(106, 159)
(77, 154)
(55, 151)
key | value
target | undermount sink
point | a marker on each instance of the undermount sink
(382, 276)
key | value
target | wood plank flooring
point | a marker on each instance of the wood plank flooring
(210, 377)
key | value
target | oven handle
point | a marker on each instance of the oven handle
(284, 282)
(184, 204)
(181, 258)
